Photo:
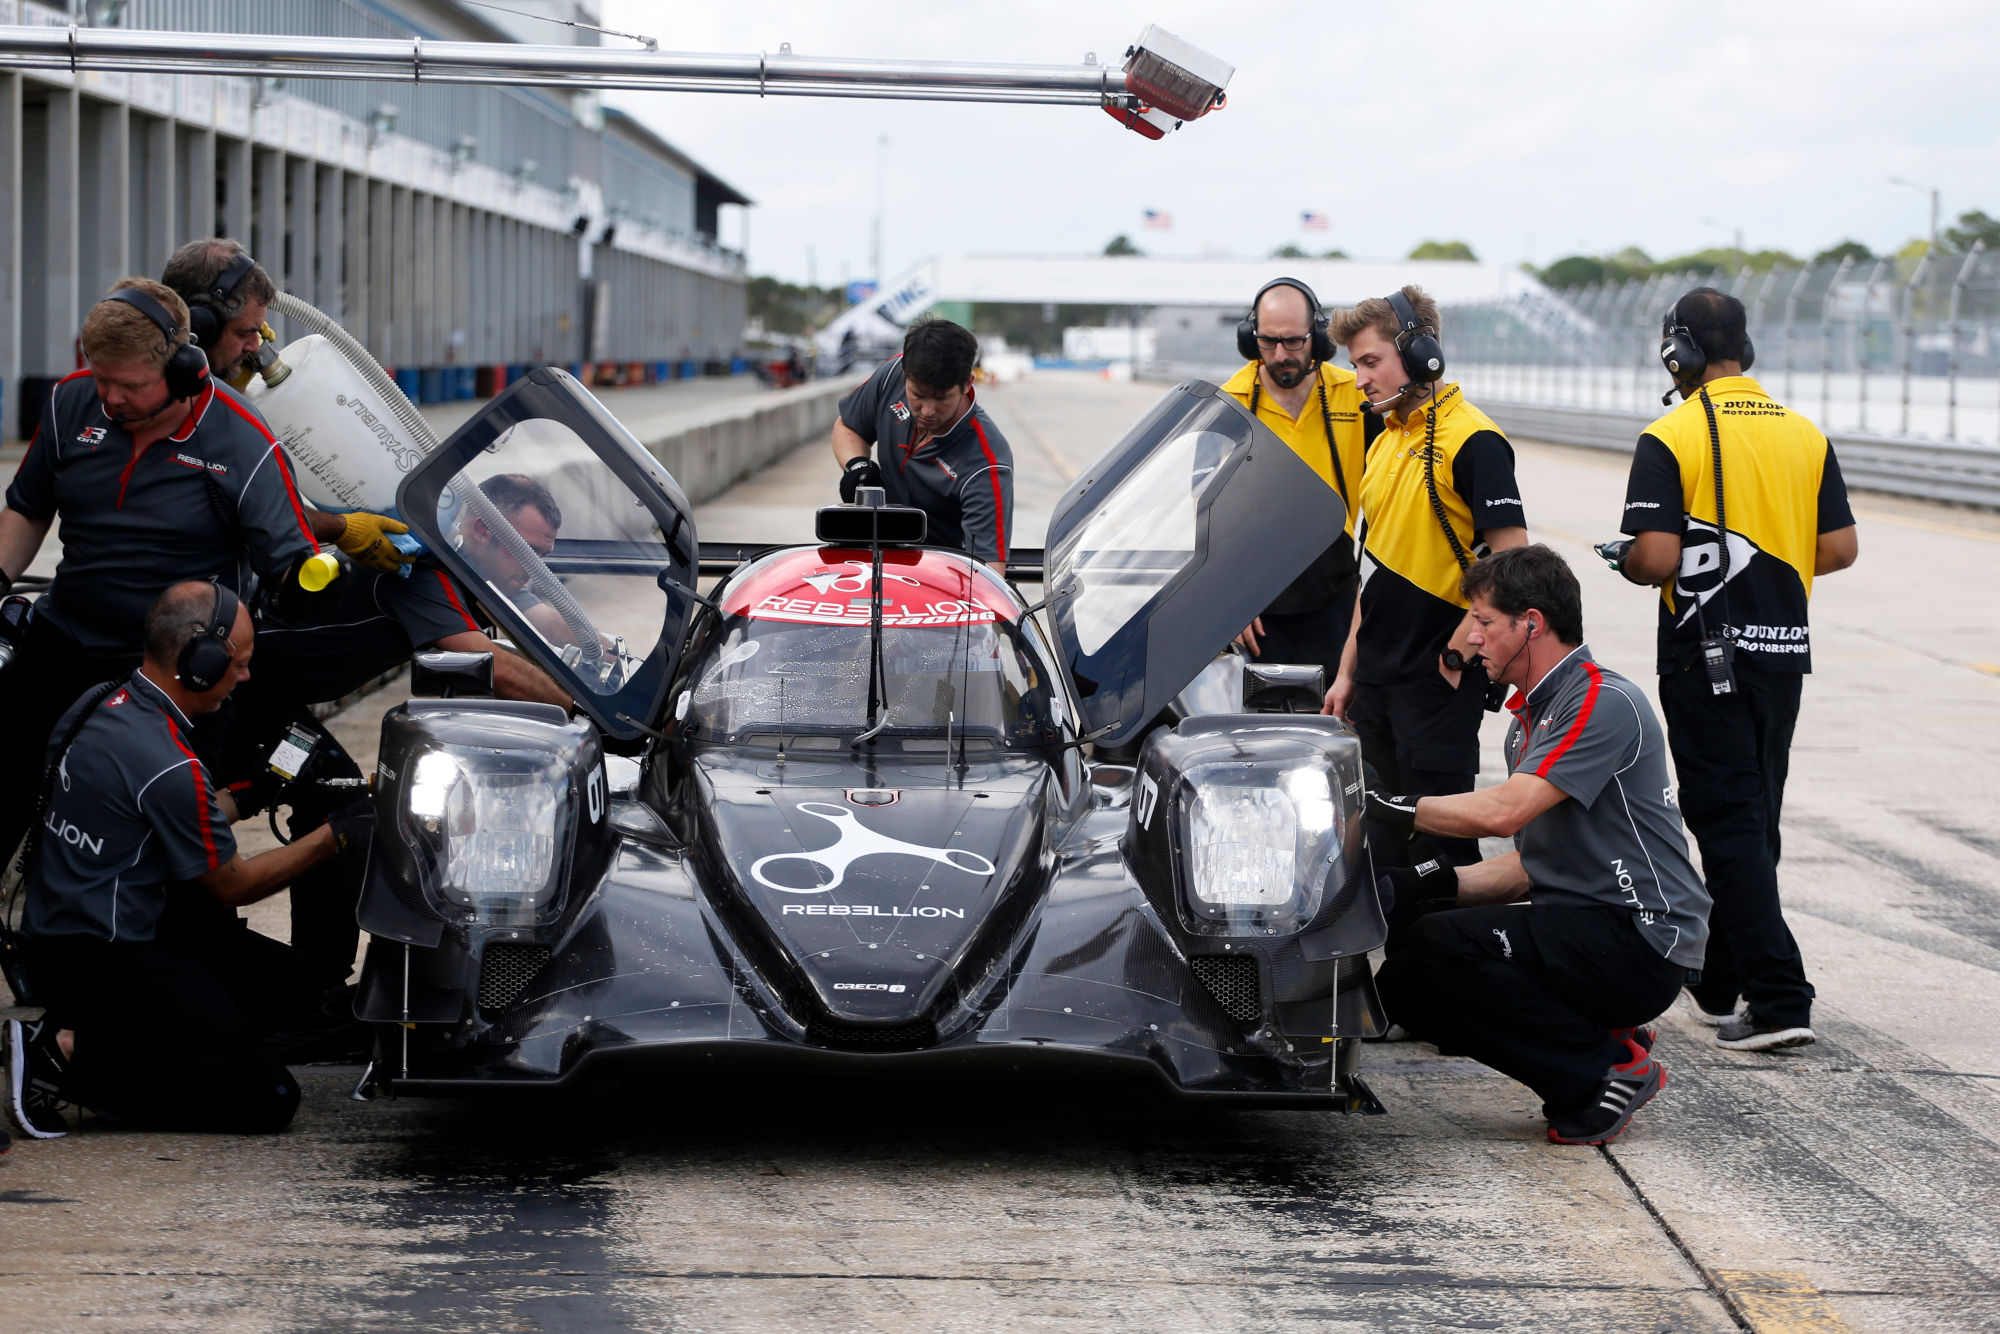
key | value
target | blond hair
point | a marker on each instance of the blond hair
(117, 334)
(1376, 313)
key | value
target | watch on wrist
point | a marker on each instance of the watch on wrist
(1454, 660)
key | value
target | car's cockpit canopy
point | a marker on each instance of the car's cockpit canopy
(791, 655)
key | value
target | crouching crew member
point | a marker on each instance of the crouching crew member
(1438, 492)
(159, 475)
(158, 997)
(228, 296)
(1734, 644)
(1293, 387)
(935, 448)
(1562, 949)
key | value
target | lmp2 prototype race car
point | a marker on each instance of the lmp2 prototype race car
(837, 810)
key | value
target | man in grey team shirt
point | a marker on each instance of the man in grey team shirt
(1547, 961)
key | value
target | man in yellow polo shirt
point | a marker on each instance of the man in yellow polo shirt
(1438, 492)
(1292, 385)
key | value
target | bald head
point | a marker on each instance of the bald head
(1285, 306)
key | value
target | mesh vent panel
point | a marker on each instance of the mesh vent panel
(505, 969)
(1232, 980)
(870, 1037)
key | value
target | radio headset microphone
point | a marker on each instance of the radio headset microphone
(1377, 405)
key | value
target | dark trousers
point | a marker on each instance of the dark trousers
(1532, 991)
(1422, 737)
(1312, 638)
(1731, 754)
(49, 674)
(324, 898)
(165, 1037)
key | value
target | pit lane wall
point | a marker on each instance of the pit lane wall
(715, 451)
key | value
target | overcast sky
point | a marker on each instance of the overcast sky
(1530, 130)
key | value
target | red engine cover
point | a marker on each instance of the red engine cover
(829, 586)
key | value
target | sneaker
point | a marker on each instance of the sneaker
(1643, 1037)
(1625, 1089)
(1747, 1032)
(34, 1067)
(1713, 1018)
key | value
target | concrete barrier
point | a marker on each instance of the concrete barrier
(720, 447)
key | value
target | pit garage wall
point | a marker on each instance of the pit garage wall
(440, 268)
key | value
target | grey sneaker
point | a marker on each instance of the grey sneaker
(34, 1068)
(1747, 1032)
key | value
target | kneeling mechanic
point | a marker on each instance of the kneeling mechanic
(1556, 954)
(158, 994)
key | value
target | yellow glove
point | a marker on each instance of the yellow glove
(366, 539)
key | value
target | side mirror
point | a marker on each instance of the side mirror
(441, 675)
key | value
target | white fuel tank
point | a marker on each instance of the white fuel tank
(351, 449)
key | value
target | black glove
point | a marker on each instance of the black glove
(858, 473)
(1614, 553)
(1392, 810)
(353, 825)
(1411, 888)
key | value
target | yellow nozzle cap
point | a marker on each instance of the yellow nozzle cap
(319, 571)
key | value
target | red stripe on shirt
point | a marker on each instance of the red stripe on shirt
(200, 796)
(1575, 728)
(284, 467)
(457, 606)
(993, 475)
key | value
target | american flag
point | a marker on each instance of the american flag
(1159, 220)
(1312, 222)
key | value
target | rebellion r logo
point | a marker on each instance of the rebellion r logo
(91, 435)
(857, 841)
(855, 580)
(901, 410)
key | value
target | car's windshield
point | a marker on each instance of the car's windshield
(773, 676)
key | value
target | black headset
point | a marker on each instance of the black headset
(1246, 329)
(187, 365)
(1416, 343)
(204, 660)
(1685, 358)
(211, 311)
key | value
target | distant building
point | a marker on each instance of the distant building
(450, 227)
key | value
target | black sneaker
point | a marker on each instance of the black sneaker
(1747, 1032)
(1625, 1089)
(35, 1071)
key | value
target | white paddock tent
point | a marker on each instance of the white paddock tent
(1191, 304)
(458, 230)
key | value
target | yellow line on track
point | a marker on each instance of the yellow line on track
(1780, 1303)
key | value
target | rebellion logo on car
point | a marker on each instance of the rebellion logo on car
(867, 910)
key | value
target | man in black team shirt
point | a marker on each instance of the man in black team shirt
(158, 474)
(1437, 491)
(1734, 644)
(938, 450)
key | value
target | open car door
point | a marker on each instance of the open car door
(1172, 542)
(575, 541)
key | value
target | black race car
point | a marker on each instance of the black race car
(838, 809)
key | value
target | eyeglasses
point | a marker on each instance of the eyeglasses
(1289, 344)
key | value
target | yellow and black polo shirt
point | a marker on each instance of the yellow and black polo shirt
(1781, 488)
(1410, 603)
(1342, 432)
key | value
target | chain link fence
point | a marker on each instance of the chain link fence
(1903, 349)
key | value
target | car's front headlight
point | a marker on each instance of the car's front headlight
(485, 827)
(1260, 840)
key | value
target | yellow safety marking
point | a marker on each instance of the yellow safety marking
(1780, 1303)
(1990, 668)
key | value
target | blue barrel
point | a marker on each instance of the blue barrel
(410, 383)
(430, 385)
(690, 368)
(462, 382)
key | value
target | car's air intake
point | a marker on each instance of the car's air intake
(1232, 980)
(505, 969)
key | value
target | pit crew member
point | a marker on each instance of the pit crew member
(1558, 952)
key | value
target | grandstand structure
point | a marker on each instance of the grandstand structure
(462, 232)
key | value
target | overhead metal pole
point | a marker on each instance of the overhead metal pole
(1826, 343)
(1910, 332)
(419, 60)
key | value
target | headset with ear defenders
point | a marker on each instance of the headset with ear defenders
(209, 313)
(187, 365)
(1683, 357)
(1416, 343)
(204, 659)
(1246, 329)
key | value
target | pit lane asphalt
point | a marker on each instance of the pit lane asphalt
(1849, 1185)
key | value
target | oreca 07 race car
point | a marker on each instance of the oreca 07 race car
(861, 827)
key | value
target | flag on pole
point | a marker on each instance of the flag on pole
(1312, 222)
(1158, 220)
